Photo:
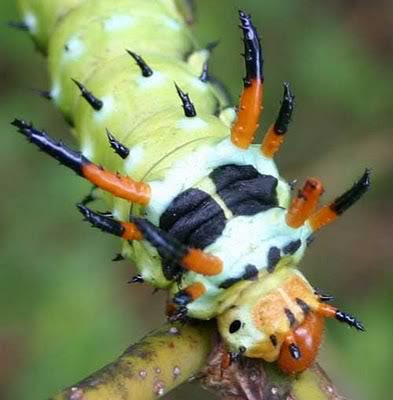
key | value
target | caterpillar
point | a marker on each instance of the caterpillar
(202, 211)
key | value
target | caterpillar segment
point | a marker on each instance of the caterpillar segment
(206, 214)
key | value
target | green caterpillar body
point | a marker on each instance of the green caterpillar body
(204, 191)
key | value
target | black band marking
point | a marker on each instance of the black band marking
(145, 69)
(347, 199)
(273, 258)
(94, 101)
(121, 150)
(235, 326)
(188, 107)
(292, 247)
(194, 219)
(285, 113)
(252, 50)
(244, 190)
(62, 153)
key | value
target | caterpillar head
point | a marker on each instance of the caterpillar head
(279, 318)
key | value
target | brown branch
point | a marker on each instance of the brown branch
(174, 354)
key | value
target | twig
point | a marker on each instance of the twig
(174, 354)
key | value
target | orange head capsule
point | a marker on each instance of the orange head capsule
(301, 346)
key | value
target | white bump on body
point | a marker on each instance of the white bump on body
(157, 79)
(118, 22)
(106, 110)
(191, 124)
(134, 159)
(31, 21)
(74, 48)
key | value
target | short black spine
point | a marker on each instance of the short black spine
(117, 257)
(188, 107)
(66, 156)
(286, 110)
(119, 148)
(252, 50)
(204, 76)
(94, 101)
(351, 196)
(136, 279)
(19, 25)
(45, 94)
(102, 222)
(145, 69)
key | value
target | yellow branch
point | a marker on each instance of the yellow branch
(173, 354)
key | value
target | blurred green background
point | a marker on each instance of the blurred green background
(66, 309)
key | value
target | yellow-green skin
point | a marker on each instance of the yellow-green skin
(87, 41)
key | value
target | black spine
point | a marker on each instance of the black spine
(94, 102)
(286, 110)
(204, 76)
(117, 257)
(188, 107)
(182, 298)
(145, 69)
(45, 94)
(136, 279)
(351, 196)
(252, 50)
(168, 247)
(119, 148)
(102, 222)
(290, 316)
(349, 320)
(19, 25)
(70, 158)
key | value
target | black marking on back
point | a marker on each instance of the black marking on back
(244, 190)
(250, 273)
(273, 257)
(273, 339)
(193, 218)
(292, 247)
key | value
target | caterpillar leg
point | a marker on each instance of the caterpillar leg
(119, 186)
(276, 133)
(250, 107)
(330, 212)
(304, 204)
(177, 309)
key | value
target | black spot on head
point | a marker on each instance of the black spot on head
(273, 339)
(292, 247)
(244, 190)
(295, 351)
(235, 326)
(242, 349)
(273, 257)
